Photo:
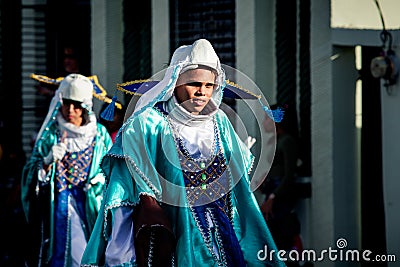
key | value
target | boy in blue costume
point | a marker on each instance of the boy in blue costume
(178, 187)
(62, 183)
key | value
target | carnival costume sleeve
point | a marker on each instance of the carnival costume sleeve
(96, 181)
(33, 168)
(127, 191)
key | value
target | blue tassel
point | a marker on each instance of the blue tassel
(108, 112)
(276, 115)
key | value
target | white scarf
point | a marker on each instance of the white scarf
(184, 58)
(196, 131)
(77, 138)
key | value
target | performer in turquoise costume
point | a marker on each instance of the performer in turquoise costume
(62, 183)
(178, 186)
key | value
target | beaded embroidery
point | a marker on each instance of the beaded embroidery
(206, 182)
(74, 168)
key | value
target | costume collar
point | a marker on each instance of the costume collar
(77, 138)
(182, 116)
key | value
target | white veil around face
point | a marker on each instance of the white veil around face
(74, 86)
(184, 58)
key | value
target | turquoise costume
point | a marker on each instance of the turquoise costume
(61, 201)
(29, 180)
(123, 190)
(178, 185)
(92, 195)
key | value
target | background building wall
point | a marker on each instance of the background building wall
(390, 161)
(370, 23)
(256, 59)
(107, 44)
(160, 35)
(321, 129)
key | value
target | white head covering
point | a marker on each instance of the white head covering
(184, 58)
(75, 87)
(78, 88)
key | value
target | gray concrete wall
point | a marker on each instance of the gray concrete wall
(160, 35)
(255, 57)
(336, 207)
(346, 196)
(322, 139)
(391, 166)
(107, 46)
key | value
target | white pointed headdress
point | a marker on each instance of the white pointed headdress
(75, 87)
(185, 57)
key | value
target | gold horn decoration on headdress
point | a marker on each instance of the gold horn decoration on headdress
(98, 91)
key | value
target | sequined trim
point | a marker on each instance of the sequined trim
(151, 248)
(106, 212)
(118, 205)
(220, 244)
(207, 236)
(68, 239)
(127, 264)
(157, 193)
(251, 165)
(145, 179)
